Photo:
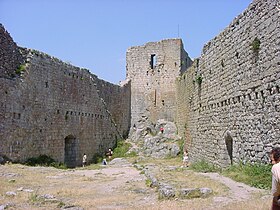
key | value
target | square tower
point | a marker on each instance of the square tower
(152, 69)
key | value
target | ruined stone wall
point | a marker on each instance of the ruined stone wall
(11, 59)
(152, 69)
(54, 108)
(234, 102)
(117, 101)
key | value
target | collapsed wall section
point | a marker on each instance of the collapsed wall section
(152, 70)
(117, 100)
(54, 108)
(11, 58)
(233, 105)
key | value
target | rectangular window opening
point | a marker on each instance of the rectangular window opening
(153, 61)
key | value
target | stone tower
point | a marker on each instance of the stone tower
(152, 69)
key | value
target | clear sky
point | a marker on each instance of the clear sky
(95, 34)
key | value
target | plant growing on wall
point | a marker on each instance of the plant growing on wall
(198, 79)
(20, 69)
(256, 45)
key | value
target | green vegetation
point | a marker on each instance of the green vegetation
(198, 79)
(181, 145)
(34, 197)
(256, 175)
(96, 158)
(256, 44)
(122, 149)
(20, 69)
(44, 160)
(204, 166)
(148, 183)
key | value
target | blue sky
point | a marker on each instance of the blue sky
(95, 34)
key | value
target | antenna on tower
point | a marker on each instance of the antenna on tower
(178, 30)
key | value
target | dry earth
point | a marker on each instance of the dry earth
(119, 185)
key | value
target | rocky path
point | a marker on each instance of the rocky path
(237, 191)
(118, 185)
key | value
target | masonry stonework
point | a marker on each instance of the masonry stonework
(229, 105)
(152, 70)
(9, 54)
(225, 103)
(57, 109)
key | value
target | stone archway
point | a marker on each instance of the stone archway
(229, 146)
(70, 151)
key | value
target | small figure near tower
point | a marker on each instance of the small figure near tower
(84, 160)
(161, 129)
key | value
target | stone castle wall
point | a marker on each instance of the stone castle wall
(225, 105)
(231, 94)
(117, 100)
(9, 54)
(56, 109)
(152, 69)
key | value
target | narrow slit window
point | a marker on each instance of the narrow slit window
(153, 61)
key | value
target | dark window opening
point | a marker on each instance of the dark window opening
(153, 61)
(162, 102)
(47, 84)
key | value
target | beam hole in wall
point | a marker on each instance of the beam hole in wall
(262, 94)
(249, 96)
(238, 99)
(256, 95)
(237, 55)
(277, 89)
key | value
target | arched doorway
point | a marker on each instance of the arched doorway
(229, 145)
(70, 151)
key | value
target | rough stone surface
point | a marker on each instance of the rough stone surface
(10, 55)
(166, 191)
(152, 69)
(194, 192)
(225, 104)
(60, 110)
(228, 101)
(149, 141)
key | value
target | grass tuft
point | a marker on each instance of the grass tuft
(256, 175)
(122, 149)
(204, 167)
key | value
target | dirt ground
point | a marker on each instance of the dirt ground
(119, 185)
